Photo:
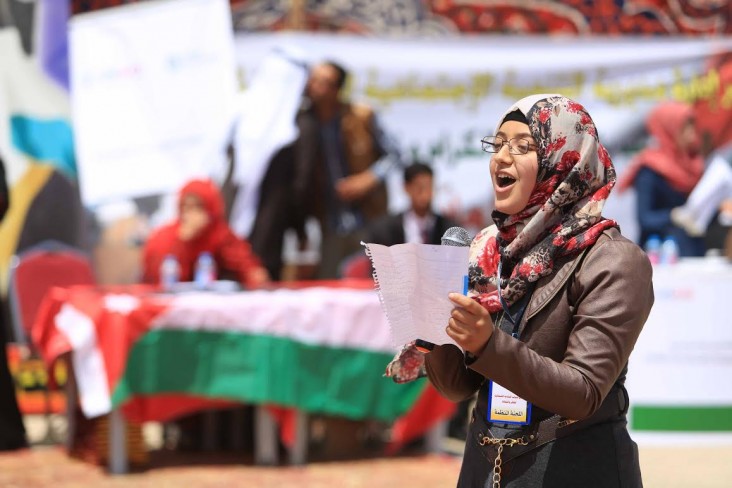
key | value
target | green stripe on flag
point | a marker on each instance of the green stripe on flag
(686, 418)
(265, 369)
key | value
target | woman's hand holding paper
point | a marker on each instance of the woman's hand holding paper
(470, 325)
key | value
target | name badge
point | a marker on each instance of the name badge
(506, 407)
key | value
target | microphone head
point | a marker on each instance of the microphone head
(456, 236)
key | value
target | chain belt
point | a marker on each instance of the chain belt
(548, 430)
(501, 443)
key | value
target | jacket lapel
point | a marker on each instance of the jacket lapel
(549, 286)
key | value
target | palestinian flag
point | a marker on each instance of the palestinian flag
(321, 350)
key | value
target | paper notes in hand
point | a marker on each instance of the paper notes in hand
(413, 281)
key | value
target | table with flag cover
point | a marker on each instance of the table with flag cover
(317, 349)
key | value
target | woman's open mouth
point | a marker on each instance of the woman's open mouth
(504, 181)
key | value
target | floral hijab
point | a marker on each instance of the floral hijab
(564, 212)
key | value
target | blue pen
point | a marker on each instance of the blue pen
(465, 285)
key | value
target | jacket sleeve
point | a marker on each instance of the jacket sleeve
(611, 297)
(446, 369)
(236, 255)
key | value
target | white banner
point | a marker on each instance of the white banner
(684, 354)
(679, 371)
(152, 87)
(439, 97)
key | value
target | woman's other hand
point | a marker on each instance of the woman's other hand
(470, 325)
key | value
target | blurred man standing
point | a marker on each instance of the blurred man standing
(343, 185)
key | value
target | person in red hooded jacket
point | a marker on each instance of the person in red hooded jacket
(201, 227)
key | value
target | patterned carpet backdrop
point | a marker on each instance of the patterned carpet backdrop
(436, 17)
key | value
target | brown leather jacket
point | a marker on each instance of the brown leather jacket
(577, 333)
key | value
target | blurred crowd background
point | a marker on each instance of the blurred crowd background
(109, 107)
(451, 68)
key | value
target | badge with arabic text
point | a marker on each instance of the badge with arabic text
(505, 407)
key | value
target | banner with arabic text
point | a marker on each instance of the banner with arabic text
(439, 97)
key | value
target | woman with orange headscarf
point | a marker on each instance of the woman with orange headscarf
(199, 228)
(664, 174)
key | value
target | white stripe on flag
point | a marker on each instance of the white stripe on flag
(332, 317)
(87, 360)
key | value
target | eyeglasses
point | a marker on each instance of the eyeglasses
(493, 144)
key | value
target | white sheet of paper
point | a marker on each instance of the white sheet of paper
(413, 281)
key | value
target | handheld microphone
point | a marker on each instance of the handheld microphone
(454, 236)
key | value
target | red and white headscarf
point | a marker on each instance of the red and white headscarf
(564, 212)
(681, 167)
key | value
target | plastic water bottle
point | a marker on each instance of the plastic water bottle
(169, 272)
(653, 249)
(205, 271)
(669, 251)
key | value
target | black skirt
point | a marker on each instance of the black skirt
(600, 456)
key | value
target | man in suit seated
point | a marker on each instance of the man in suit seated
(419, 224)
